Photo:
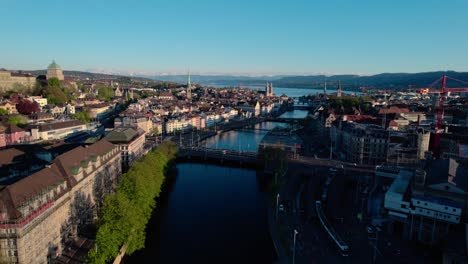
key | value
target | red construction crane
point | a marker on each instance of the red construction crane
(440, 109)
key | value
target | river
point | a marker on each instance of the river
(212, 213)
(246, 140)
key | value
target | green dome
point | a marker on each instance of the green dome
(53, 65)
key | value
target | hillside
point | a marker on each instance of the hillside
(383, 80)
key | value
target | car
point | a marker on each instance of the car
(370, 230)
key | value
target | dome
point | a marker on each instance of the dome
(53, 65)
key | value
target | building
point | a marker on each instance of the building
(9, 107)
(360, 143)
(41, 212)
(41, 101)
(425, 205)
(140, 121)
(166, 96)
(54, 71)
(100, 111)
(11, 135)
(9, 80)
(58, 130)
(130, 142)
(40, 117)
(339, 92)
(269, 90)
(177, 124)
(189, 88)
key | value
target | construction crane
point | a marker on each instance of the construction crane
(444, 90)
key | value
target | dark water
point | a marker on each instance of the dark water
(246, 140)
(212, 214)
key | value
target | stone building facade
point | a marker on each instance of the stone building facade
(39, 213)
(8, 80)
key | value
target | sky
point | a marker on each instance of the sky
(236, 37)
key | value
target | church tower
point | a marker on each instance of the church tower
(269, 89)
(189, 87)
(339, 92)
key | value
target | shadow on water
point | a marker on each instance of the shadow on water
(209, 214)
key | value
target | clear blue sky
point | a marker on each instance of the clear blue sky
(258, 36)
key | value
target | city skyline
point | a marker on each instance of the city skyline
(261, 38)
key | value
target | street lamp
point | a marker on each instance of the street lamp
(294, 246)
(277, 202)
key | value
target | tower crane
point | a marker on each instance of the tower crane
(444, 90)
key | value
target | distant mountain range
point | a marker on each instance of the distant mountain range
(348, 82)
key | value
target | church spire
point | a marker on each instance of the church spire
(338, 93)
(189, 87)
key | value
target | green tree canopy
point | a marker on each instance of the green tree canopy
(3, 111)
(126, 212)
(54, 82)
(16, 120)
(83, 116)
(105, 92)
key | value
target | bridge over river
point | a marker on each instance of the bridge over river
(250, 157)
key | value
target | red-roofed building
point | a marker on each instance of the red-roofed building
(39, 211)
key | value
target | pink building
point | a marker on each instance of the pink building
(2, 136)
(12, 135)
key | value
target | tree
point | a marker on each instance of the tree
(55, 95)
(82, 116)
(125, 213)
(54, 82)
(27, 107)
(105, 92)
(16, 120)
(3, 111)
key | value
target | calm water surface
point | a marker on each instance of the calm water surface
(213, 214)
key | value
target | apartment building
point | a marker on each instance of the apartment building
(38, 213)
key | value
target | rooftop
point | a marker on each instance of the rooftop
(53, 65)
(124, 134)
